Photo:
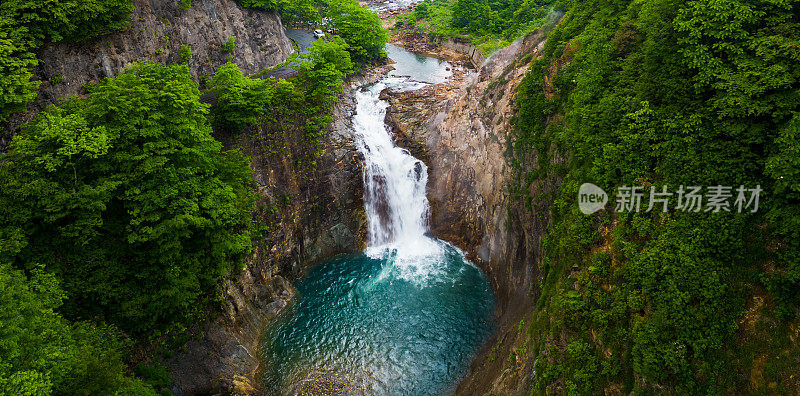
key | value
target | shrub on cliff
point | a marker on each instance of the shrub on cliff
(16, 87)
(304, 102)
(327, 63)
(128, 199)
(241, 100)
(26, 25)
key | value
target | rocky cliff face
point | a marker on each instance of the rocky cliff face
(462, 130)
(313, 212)
(156, 31)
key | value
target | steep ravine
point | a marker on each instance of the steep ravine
(462, 130)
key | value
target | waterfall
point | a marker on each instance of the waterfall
(405, 317)
(394, 182)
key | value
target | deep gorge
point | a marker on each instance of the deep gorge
(221, 209)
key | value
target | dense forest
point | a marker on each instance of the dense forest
(666, 93)
(121, 214)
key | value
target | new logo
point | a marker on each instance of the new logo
(591, 198)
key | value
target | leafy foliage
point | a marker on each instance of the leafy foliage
(128, 198)
(40, 21)
(242, 100)
(229, 45)
(327, 63)
(303, 12)
(361, 29)
(42, 354)
(304, 103)
(26, 25)
(664, 93)
(489, 24)
(185, 52)
(16, 87)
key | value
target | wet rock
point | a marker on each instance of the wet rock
(384, 94)
(274, 308)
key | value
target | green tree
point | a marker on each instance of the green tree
(34, 350)
(305, 100)
(422, 10)
(42, 354)
(16, 87)
(296, 11)
(64, 20)
(303, 12)
(240, 100)
(361, 29)
(26, 25)
(472, 15)
(327, 63)
(129, 199)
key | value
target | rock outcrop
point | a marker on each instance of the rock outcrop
(462, 130)
(156, 31)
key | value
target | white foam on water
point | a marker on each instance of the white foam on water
(394, 192)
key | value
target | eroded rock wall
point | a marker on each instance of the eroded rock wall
(462, 130)
(156, 31)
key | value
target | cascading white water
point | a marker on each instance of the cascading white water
(394, 190)
(394, 182)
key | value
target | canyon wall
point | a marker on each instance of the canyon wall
(156, 31)
(462, 131)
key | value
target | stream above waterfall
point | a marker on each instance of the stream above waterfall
(406, 316)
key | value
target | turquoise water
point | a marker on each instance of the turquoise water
(381, 325)
(418, 67)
